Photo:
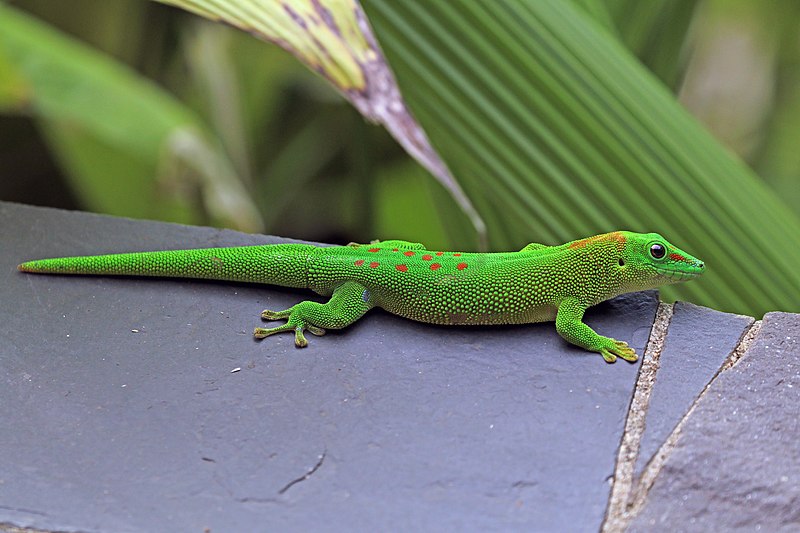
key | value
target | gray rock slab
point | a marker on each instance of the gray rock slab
(736, 466)
(121, 410)
(698, 341)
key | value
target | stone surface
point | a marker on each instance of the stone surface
(122, 410)
(698, 342)
(736, 466)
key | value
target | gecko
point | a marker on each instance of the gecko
(538, 283)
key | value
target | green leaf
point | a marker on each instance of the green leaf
(327, 39)
(13, 89)
(557, 132)
(656, 32)
(405, 206)
(333, 38)
(108, 107)
(597, 11)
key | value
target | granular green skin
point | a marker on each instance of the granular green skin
(538, 283)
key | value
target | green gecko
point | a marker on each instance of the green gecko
(536, 284)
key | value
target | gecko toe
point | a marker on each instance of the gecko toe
(608, 356)
(300, 339)
(268, 314)
(625, 351)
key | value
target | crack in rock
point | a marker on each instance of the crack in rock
(22, 510)
(653, 468)
(305, 476)
(622, 481)
(628, 495)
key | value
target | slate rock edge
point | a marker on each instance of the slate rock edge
(698, 342)
(736, 465)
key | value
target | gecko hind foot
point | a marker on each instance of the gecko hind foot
(294, 323)
(299, 338)
(347, 304)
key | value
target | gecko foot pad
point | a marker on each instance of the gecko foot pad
(299, 338)
(619, 348)
(295, 321)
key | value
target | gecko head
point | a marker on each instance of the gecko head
(648, 260)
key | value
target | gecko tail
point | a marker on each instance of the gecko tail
(275, 264)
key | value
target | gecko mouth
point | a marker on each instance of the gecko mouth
(685, 272)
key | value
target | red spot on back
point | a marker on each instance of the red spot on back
(427, 257)
(439, 253)
(401, 268)
(677, 257)
(408, 253)
(435, 266)
(359, 262)
(373, 250)
(456, 255)
(374, 264)
(461, 266)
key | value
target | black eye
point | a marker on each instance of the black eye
(621, 262)
(658, 251)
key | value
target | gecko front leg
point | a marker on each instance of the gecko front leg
(569, 324)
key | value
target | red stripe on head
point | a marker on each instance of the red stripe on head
(677, 257)
(614, 236)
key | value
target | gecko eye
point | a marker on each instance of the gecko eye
(658, 251)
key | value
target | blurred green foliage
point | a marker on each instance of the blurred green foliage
(287, 143)
(266, 145)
